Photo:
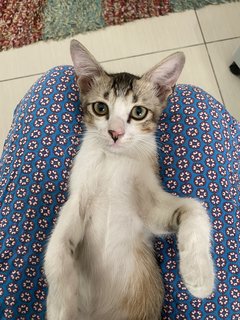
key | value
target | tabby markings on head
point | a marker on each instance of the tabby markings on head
(123, 83)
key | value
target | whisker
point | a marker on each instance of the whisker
(152, 144)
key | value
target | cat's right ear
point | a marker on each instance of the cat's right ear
(85, 65)
(165, 74)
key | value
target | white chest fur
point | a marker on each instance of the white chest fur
(113, 227)
(112, 213)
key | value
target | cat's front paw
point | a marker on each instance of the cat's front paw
(197, 273)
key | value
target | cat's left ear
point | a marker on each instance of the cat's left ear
(165, 74)
(86, 66)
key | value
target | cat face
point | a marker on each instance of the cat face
(121, 110)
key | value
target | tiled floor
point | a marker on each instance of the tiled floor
(208, 37)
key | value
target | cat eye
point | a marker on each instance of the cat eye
(139, 113)
(100, 108)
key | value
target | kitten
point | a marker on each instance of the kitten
(99, 261)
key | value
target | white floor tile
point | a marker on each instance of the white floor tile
(135, 38)
(221, 56)
(220, 22)
(11, 92)
(197, 70)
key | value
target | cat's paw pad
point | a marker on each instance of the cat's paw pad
(198, 275)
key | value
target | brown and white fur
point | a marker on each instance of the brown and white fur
(99, 261)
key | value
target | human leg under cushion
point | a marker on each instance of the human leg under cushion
(198, 154)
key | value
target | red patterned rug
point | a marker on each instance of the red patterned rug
(21, 22)
(26, 21)
(118, 12)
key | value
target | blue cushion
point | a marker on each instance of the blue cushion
(198, 153)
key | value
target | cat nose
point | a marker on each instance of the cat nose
(115, 134)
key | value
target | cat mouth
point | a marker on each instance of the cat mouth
(116, 147)
(119, 146)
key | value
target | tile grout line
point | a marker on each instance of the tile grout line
(119, 59)
(153, 52)
(147, 54)
(221, 40)
(21, 77)
(209, 57)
